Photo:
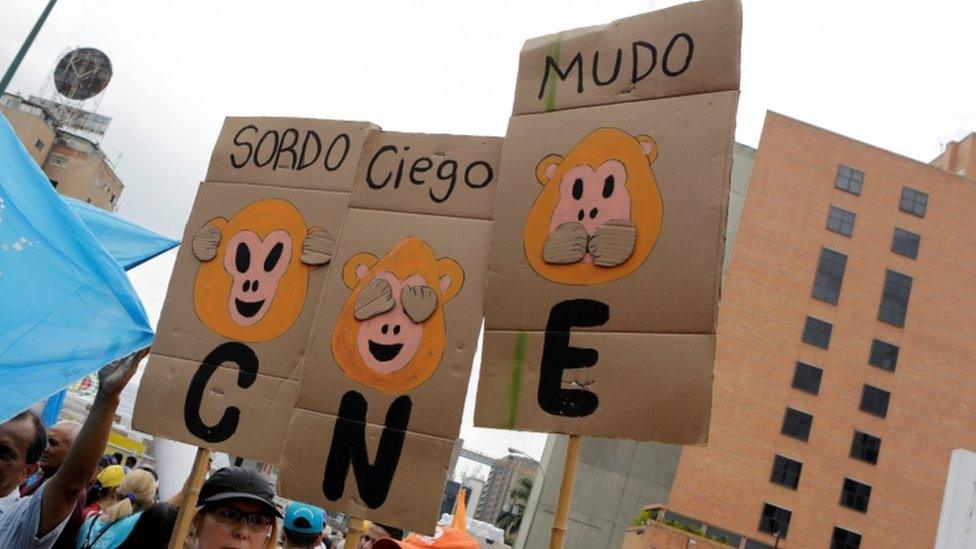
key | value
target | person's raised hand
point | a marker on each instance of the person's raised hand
(115, 375)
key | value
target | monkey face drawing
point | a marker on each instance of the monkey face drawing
(391, 333)
(592, 197)
(388, 341)
(256, 267)
(599, 212)
(257, 286)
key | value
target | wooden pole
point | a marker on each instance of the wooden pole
(189, 505)
(565, 494)
(354, 532)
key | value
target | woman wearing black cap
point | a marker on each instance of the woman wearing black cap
(236, 510)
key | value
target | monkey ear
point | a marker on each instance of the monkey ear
(357, 267)
(649, 147)
(547, 167)
(450, 278)
(207, 238)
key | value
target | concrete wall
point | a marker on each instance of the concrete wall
(743, 159)
(957, 525)
(614, 480)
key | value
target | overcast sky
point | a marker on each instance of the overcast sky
(894, 74)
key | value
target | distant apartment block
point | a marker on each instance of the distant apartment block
(74, 164)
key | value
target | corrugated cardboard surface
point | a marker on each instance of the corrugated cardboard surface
(437, 403)
(652, 378)
(415, 493)
(182, 334)
(289, 152)
(435, 174)
(650, 386)
(237, 180)
(676, 288)
(265, 407)
(714, 27)
(380, 218)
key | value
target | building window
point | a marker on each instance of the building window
(816, 332)
(58, 160)
(883, 355)
(797, 424)
(865, 447)
(845, 539)
(39, 145)
(807, 378)
(855, 495)
(913, 202)
(905, 243)
(54, 183)
(112, 200)
(786, 472)
(775, 520)
(894, 299)
(830, 276)
(875, 401)
(849, 179)
(841, 221)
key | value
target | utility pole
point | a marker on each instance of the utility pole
(9, 75)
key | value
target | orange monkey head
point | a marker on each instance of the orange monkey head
(390, 334)
(599, 212)
(252, 283)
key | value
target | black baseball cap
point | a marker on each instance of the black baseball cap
(238, 483)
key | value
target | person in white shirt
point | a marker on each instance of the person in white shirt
(22, 441)
(36, 521)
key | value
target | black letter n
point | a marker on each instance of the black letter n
(558, 356)
(349, 446)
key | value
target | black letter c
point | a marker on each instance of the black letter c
(247, 361)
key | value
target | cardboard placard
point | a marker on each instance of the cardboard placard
(289, 152)
(390, 352)
(687, 49)
(608, 237)
(256, 253)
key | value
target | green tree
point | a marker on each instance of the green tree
(511, 520)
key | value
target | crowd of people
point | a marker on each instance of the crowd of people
(58, 490)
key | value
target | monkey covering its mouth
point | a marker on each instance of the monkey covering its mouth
(384, 353)
(610, 245)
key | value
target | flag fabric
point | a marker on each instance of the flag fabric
(66, 306)
(128, 243)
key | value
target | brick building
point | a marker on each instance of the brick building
(846, 347)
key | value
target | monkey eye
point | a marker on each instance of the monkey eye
(608, 186)
(273, 256)
(242, 259)
(578, 188)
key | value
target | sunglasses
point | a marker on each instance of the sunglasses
(231, 516)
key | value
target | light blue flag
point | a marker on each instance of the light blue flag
(128, 243)
(66, 306)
